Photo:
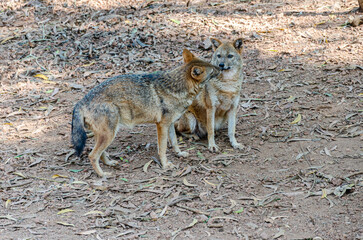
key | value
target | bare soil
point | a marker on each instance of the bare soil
(300, 118)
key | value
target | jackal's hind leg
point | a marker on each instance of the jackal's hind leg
(103, 139)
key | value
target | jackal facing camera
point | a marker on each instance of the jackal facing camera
(217, 103)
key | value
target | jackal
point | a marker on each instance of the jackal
(217, 103)
(128, 100)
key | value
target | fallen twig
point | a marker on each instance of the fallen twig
(180, 199)
(211, 223)
(193, 210)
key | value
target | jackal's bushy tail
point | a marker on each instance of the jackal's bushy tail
(79, 135)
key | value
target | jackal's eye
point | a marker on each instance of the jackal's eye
(219, 56)
(230, 56)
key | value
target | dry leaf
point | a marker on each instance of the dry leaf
(297, 119)
(175, 21)
(89, 64)
(146, 166)
(66, 224)
(7, 39)
(324, 193)
(59, 176)
(42, 76)
(7, 203)
(187, 171)
(273, 67)
(8, 217)
(327, 151)
(233, 203)
(195, 221)
(279, 234)
(48, 81)
(56, 90)
(20, 174)
(94, 213)
(76, 86)
(186, 183)
(65, 211)
(212, 184)
(87, 232)
(79, 182)
(291, 99)
(320, 23)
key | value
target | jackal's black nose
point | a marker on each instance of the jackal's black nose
(221, 65)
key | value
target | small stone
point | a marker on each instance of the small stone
(153, 215)
(252, 225)
(264, 235)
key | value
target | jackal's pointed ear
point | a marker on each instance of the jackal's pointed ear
(196, 72)
(238, 44)
(187, 55)
(215, 43)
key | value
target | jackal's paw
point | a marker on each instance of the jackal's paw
(183, 154)
(168, 166)
(106, 160)
(105, 174)
(111, 163)
(213, 148)
(237, 145)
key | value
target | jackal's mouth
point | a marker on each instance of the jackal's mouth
(224, 68)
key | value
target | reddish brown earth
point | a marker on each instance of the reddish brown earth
(293, 181)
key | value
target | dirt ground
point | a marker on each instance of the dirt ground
(300, 118)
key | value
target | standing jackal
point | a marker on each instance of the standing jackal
(128, 100)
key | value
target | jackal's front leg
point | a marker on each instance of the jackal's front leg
(162, 130)
(174, 142)
(232, 128)
(212, 146)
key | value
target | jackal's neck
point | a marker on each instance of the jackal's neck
(176, 80)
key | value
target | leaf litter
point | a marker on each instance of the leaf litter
(302, 86)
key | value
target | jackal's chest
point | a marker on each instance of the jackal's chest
(225, 100)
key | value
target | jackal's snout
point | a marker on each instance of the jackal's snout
(222, 66)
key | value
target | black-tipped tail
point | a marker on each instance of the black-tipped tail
(79, 135)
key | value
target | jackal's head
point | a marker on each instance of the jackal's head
(227, 55)
(198, 71)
